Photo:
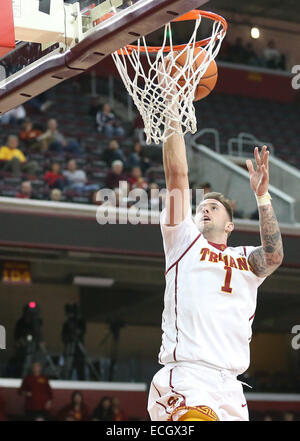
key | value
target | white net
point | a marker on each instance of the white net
(164, 92)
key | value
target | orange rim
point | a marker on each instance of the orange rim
(192, 15)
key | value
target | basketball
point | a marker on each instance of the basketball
(209, 78)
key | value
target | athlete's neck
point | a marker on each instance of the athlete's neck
(219, 239)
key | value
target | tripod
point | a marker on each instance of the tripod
(32, 346)
(114, 332)
(75, 356)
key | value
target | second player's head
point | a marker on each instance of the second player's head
(214, 217)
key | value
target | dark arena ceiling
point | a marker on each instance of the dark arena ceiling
(287, 10)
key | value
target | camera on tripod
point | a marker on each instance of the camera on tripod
(28, 327)
(74, 327)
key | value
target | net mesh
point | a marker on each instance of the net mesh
(153, 84)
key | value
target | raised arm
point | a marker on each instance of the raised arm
(174, 157)
(176, 173)
(268, 257)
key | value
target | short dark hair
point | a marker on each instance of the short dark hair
(221, 198)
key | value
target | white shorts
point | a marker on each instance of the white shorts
(180, 386)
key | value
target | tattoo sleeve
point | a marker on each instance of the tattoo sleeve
(266, 258)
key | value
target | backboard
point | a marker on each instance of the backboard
(56, 40)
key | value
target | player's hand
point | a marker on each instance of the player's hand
(167, 85)
(259, 178)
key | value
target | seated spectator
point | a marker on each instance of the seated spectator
(206, 187)
(267, 417)
(13, 116)
(139, 126)
(113, 153)
(76, 410)
(104, 411)
(107, 123)
(251, 57)
(238, 214)
(154, 199)
(95, 105)
(224, 49)
(37, 392)
(115, 175)
(77, 179)
(119, 414)
(136, 179)
(288, 416)
(13, 159)
(56, 195)
(54, 178)
(41, 102)
(25, 191)
(28, 134)
(237, 52)
(138, 158)
(272, 56)
(52, 139)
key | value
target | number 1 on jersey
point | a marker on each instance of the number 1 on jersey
(228, 273)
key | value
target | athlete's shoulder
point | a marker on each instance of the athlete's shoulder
(242, 250)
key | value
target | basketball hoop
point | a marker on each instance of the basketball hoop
(138, 66)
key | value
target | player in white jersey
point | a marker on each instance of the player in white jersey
(210, 296)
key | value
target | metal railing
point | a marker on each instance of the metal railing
(244, 140)
(233, 180)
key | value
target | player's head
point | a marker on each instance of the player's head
(214, 215)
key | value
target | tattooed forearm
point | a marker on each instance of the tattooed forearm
(265, 259)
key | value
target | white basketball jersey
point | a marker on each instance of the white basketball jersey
(210, 299)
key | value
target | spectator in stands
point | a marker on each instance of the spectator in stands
(95, 106)
(139, 126)
(136, 180)
(52, 139)
(25, 191)
(115, 175)
(77, 179)
(238, 214)
(14, 116)
(237, 52)
(54, 178)
(206, 187)
(138, 158)
(107, 123)
(224, 49)
(40, 103)
(37, 392)
(267, 417)
(14, 160)
(251, 57)
(153, 196)
(272, 57)
(119, 414)
(56, 195)
(28, 134)
(76, 410)
(104, 411)
(113, 153)
(288, 416)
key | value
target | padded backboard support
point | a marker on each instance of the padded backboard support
(7, 31)
(144, 17)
